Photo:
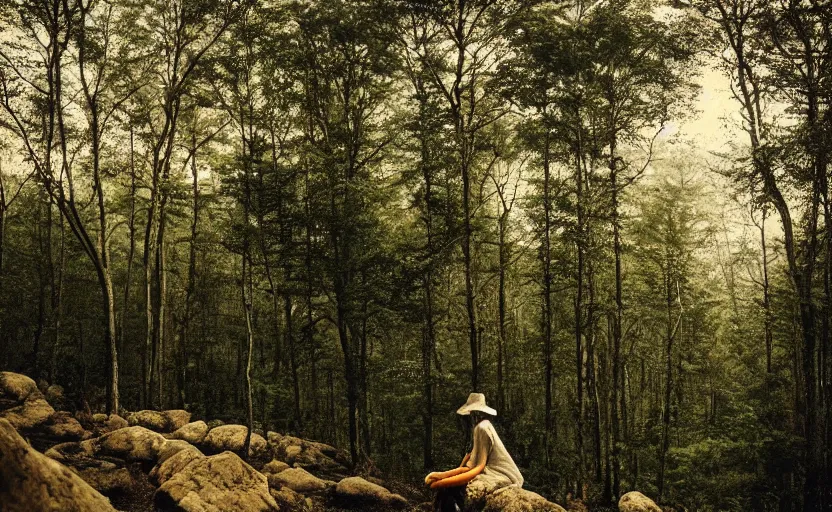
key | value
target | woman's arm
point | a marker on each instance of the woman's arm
(461, 477)
(432, 477)
(465, 460)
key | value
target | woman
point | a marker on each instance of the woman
(488, 461)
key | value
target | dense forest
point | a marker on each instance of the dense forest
(337, 218)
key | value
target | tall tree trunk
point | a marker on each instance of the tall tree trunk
(245, 295)
(579, 305)
(501, 304)
(131, 226)
(546, 262)
(767, 319)
(57, 300)
(160, 279)
(190, 283)
(668, 384)
(149, 356)
(618, 399)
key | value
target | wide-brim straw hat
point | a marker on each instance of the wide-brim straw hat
(476, 402)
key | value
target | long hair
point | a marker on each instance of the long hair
(467, 423)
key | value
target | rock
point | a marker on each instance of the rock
(29, 414)
(233, 438)
(275, 466)
(299, 480)
(99, 417)
(515, 499)
(115, 422)
(355, 492)
(171, 448)
(63, 426)
(163, 422)
(287, 499)
(636, 502)
(215, 423)
(193, 433)
(21, 402)
(273, 438)
(33, 482)
(153, 420)
(477, 492)
(104, 476)
(573, 505)
(215, 484)
(169, 466)
(66, 452)
(55, 396)
(16, 388)
(131, 443)
(318, 458)
(177, 418)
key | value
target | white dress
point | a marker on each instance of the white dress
(500, 469)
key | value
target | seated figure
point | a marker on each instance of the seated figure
(488, 462)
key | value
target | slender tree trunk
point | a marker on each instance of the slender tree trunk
(250, 348)
(309, 329)
(149, 356)
(592, 375)
(767, 319)
(57, 305)
(579, 305)
(618, 400)
(547, 297)
(668, 389)
(501, 305)
(190, 283)
(160, 278)
(290, 342)
(131, 226)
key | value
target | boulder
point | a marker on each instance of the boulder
(299, 480)
(28, 415)
(171, 448)
(193, 433)
(160, 421)
(115, 422)
(131, 444)
(233, 438)
(66, 452)
(287, 499)
(54, 394)
(215, 423)
(515, 499)
(64, 427)
(356, 492)
(478, 490)
(318, 458)
(215, 484)
(636, 502)
(21, 402)
(177, 418)
(34, 482)
(104, 476)
(16, 388)
(275, 466)
(173, 464)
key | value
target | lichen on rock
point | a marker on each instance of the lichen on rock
(216, 483)
(32, 481)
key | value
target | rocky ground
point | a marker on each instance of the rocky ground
(53, 460)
